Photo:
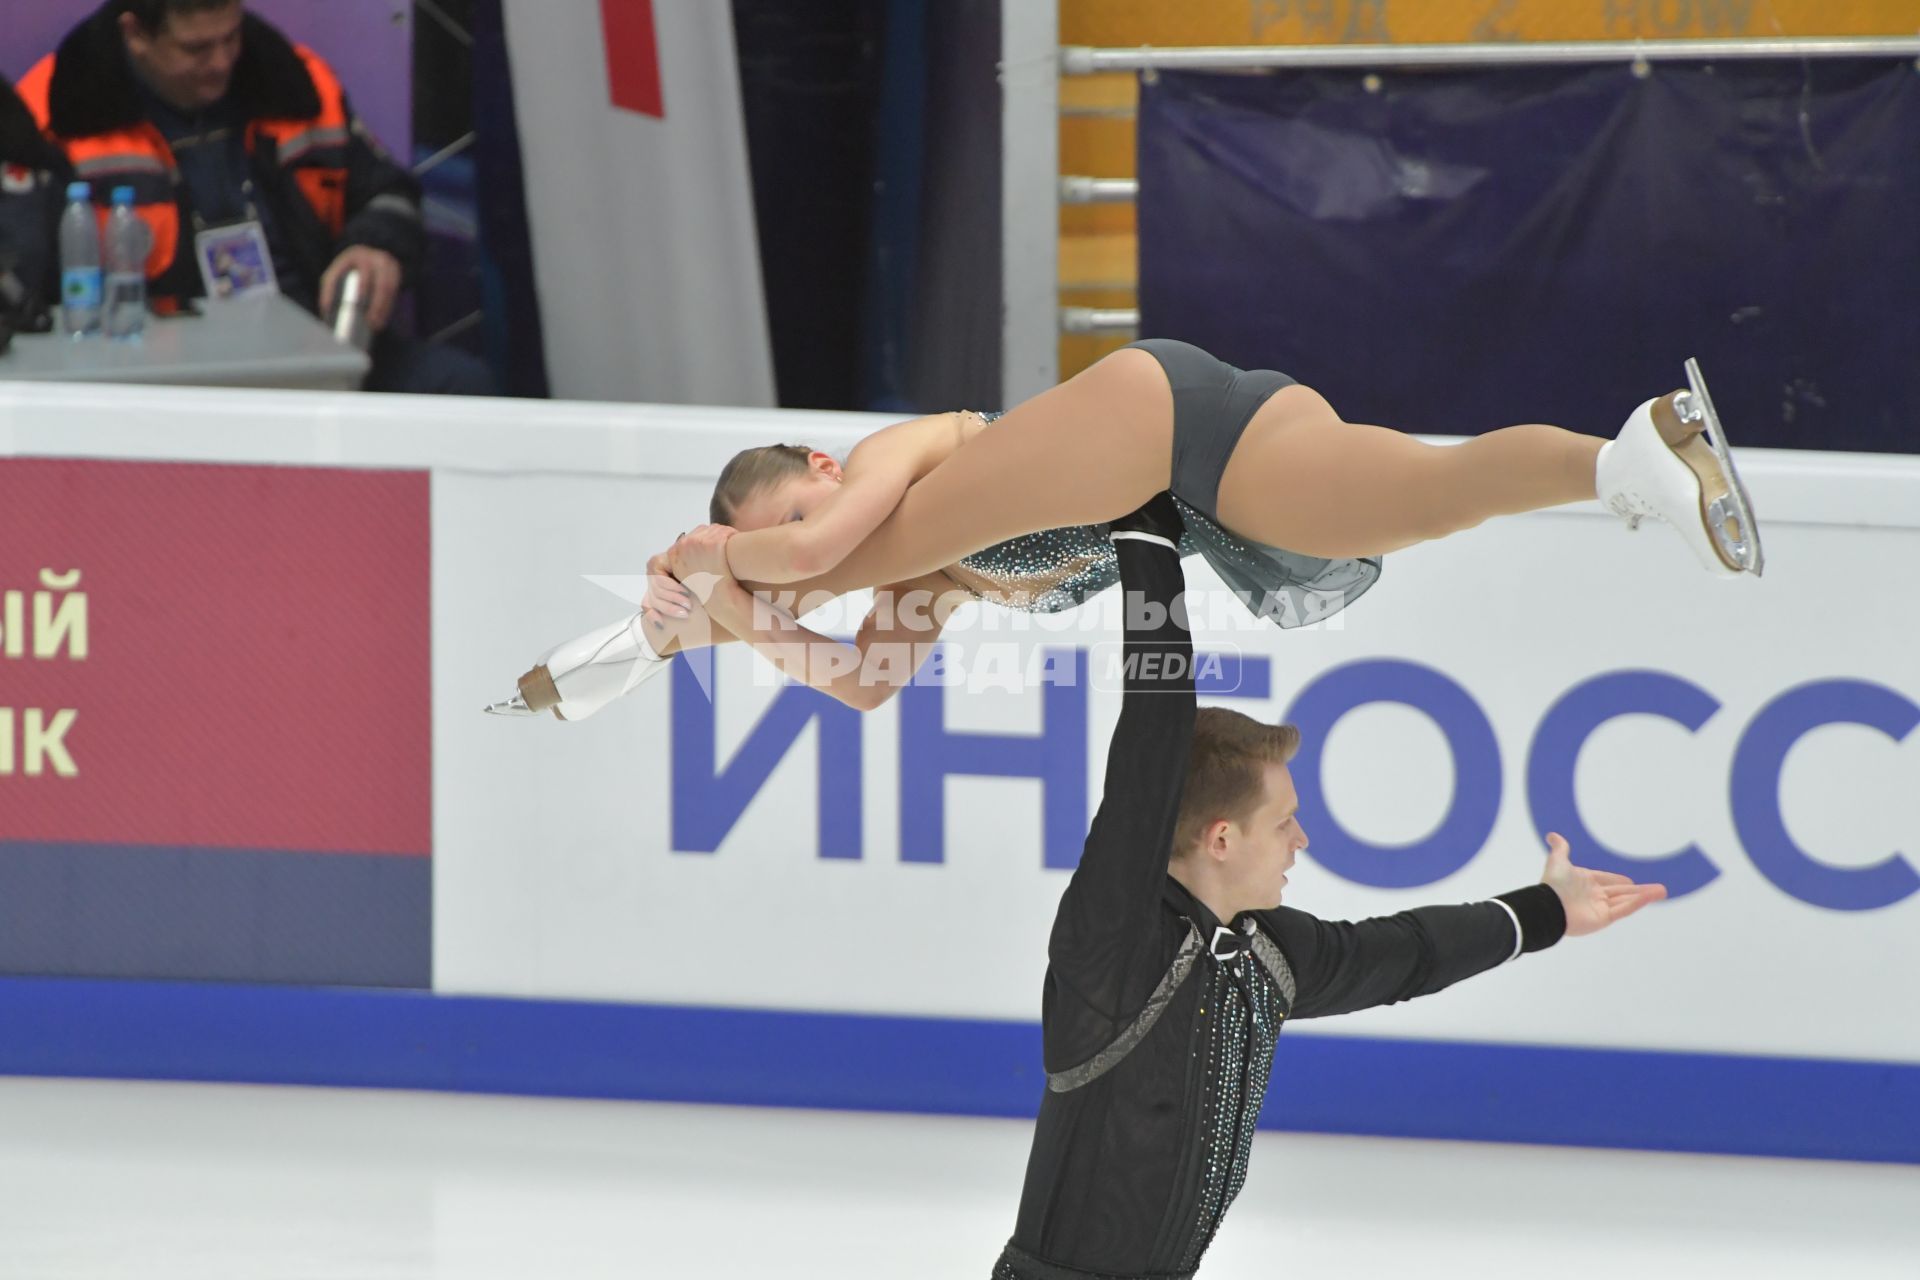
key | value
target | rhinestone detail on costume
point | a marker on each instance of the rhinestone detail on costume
(1236, 1086)
(1054, 570)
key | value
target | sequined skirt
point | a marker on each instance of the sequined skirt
(1059, 569)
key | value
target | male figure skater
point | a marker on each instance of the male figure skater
(1168, 980)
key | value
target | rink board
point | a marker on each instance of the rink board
(820, 906)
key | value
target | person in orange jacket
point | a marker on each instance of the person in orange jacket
(218, 121)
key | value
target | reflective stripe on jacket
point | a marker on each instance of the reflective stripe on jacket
(313, 152)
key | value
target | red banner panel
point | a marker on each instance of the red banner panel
(215, 657)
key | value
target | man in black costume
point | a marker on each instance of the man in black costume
(1168, 981)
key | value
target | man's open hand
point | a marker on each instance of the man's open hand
(1593, 899)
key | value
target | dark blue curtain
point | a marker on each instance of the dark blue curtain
(514, 343)
(873, 130)
(1459, 251)
(809, 85)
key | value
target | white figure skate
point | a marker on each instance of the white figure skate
(583, 675)
(1671, 462)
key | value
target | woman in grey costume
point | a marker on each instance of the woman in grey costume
(1291, 505)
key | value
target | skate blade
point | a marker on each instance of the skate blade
(514, 706)
(1730, 520)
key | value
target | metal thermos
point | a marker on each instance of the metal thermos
(350, 313)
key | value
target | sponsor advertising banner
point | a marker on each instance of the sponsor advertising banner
(1747, 743)
(215, 751)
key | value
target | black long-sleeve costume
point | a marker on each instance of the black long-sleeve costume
(1160, 1021)
(33, 172)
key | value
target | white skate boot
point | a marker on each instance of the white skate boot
(583, 675)
(1671, 462)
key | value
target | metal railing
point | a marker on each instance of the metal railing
(1640, 54)
(1077, 190)
(1099, 319)
(1078, 60)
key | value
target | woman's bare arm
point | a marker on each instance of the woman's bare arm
(858, 570)
(877, 475)
(895, 639)
(864, 565)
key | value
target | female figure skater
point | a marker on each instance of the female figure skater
(1291, 504)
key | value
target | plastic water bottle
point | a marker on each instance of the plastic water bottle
(80, 285)
(126, 281)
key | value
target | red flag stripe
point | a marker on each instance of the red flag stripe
(633, 56)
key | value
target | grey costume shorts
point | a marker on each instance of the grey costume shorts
(1212, 403)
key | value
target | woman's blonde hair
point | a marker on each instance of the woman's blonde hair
(750, 471)
(1226, 771)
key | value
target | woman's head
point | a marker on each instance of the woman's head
(772, 484)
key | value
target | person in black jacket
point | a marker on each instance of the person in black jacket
(32, 174)
(218, 121)
(1169, 978)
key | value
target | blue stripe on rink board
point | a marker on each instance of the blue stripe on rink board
(1322, 1083)
(218, 915)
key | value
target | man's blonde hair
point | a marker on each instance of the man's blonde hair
(1226, 771)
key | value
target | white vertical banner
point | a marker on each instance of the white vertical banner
(1029, 197)
(640, 200)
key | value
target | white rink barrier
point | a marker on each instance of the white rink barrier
(763, 896)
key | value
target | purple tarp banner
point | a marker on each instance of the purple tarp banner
(369, 42)
(1461, 250)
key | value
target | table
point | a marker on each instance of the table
(262, 341)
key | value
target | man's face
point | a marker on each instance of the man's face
(189, 61)
(1265, 847)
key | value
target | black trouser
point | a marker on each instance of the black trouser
(417, 367)
(1015, 1264)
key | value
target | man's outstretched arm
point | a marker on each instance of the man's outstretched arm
(1341, 968)
(1112, 899)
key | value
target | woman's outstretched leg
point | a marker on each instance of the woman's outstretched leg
(1303, 479)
